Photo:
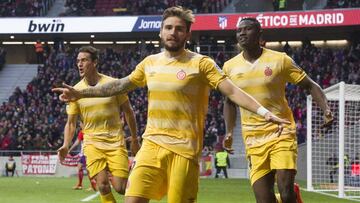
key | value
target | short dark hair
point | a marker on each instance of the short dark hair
(182, 13)
(254, 20)
(94, 53)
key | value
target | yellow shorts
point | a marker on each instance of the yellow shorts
(157, 171)
(277, 154)
(115, 160)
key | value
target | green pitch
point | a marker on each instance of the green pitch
(58, 190)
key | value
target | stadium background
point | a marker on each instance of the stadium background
(322, 36)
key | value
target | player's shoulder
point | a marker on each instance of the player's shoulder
(198, 58)
(151, 59)
(234, 60)
(154, 57)
(80, 85)
(273, 53)
(106, 77)
(192, 55)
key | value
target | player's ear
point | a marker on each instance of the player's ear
(188, 36)
(261, 32)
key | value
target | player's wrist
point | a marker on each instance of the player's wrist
(65, 146)
(327, 112)
(80, 95)
(134, 138)
(262, 111)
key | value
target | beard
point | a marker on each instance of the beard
(174, 48)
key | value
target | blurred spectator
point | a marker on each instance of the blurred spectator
(222, 161)
(332, 162)
(10, 166)
(279, 5)
(39, 50)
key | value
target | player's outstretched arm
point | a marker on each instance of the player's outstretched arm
(75, 144)
(230, 119)
(318, 94)
(131, 122)
(69, 131)
(246, 101)
(119, 86)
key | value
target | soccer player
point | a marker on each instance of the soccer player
(82, 161)
(263, 73)
(104, 145)
(178, 82)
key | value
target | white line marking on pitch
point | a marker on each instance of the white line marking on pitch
(330, 195)
(90, 197)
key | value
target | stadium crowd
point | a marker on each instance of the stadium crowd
(156, 7)
(21, 8)
(149, 7)
(33, 118)
(342, 4)
(79, 8)
(139, 7)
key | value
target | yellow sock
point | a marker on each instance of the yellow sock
(278, 198)
(108, 198)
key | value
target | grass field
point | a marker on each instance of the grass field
(58, 190)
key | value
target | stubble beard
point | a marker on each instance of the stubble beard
(174, 48)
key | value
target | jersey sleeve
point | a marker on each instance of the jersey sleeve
(292, 72)
(225, 68)
(137, 77)
(211, 72)
(72, 108)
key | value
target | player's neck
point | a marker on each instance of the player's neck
(92, 79)
(173, 54)
(252, 54)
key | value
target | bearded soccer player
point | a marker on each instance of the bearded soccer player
(104, 143)
(271, 152)
(178, 82)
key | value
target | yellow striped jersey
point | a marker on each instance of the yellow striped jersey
(178, 89)
(103, 127)
(265, 80)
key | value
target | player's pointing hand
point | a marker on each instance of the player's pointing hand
(67, 93)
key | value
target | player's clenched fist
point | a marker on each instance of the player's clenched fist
(227, 144)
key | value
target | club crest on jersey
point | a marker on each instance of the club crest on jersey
(181, 75)
(268, 71)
